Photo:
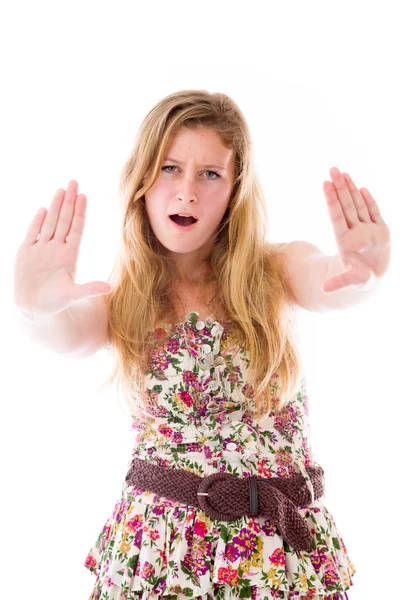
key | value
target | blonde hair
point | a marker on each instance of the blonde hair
(247, 272)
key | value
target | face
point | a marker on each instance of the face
(198, 180)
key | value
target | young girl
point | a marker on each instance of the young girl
(222, 498)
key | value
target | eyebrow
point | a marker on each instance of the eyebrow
(178, 162)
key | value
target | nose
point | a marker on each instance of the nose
(186, 189)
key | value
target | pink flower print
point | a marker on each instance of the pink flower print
(246, 541)
(147, 571)
(201, 549)
(160, 360)
(186, 398)
(190, 379)
(200, 566)
(161, 585)
(207, 451)
(90, 562)
(276, 593)
(234, 375)
(172, 345)
(231, 553)
(107, 530)
(137, 568)
(154, 534)
(330, 578)
(189, 535)
(254, 524)
(187, 563)
(277, 557)
(200, 529)
(248, 390)
(262, 468)
(138, 538)
(247, 418)
(193, 447)
(228, 575)
(158, 509)
(269, 528)
(318, 558)
(283, 457)
(163, 557)
(177, 437)
(135, 522)
(165, 430)
(282, 472)
(119, 510)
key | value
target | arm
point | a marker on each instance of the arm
(79, 331)
(307, 268)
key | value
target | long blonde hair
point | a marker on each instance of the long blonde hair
(247, 272)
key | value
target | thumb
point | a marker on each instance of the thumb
(84, 291)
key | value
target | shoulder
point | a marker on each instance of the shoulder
(296, 249)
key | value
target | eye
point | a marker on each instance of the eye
(174, 167)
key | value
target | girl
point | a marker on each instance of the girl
(223, 498)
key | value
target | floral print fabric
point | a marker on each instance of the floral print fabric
(194, 417)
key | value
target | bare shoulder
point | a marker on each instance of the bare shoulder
(305, 266)
(297, 248)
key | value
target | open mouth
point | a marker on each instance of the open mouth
(183, 221)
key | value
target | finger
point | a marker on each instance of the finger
(372, 206)
(335, 209)
(362, 208)
(34, 228)
(64, 220)
(50, 222)
(345, 197)
(78, 222)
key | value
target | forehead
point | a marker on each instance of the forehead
(201, 143)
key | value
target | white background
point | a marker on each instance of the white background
(318, 83)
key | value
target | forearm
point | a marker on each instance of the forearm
(59, 333)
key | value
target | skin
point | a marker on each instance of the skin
(189, 187)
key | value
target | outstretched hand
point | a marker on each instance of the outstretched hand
(362, 236)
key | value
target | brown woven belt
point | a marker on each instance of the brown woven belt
(225, 497)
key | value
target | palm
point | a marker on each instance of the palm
(48, 273)
(362, 237)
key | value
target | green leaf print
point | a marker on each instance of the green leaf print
(313, 519)
(187, 592)
(175, 362)
(224, 533)
(336, 543)
(131, 564)
(157, 388)
(245, 592)
(286, 547)
(178, 420)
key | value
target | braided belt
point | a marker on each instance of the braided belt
(224, 496)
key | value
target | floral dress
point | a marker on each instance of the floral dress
(193, 417)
